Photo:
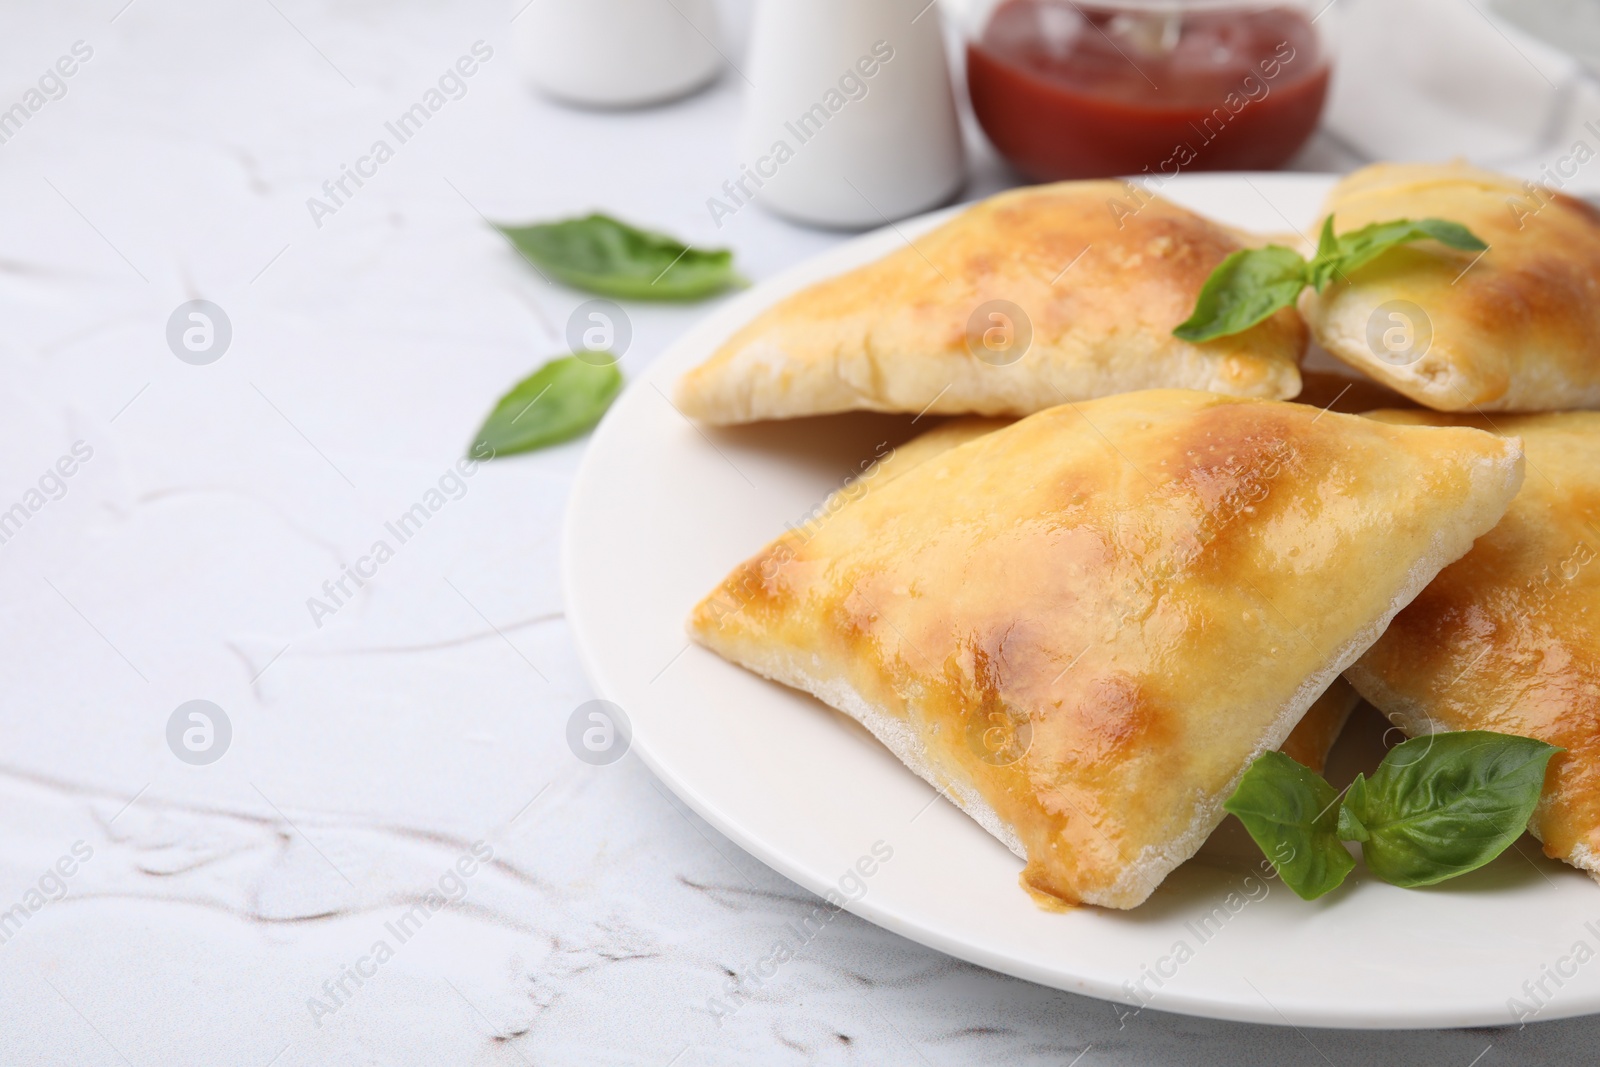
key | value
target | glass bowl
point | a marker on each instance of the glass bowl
(1124, 87)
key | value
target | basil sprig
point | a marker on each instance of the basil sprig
(1437, 806)
(555, 403)
(1253, 283)
(603, 255)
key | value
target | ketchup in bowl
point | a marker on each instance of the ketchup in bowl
(1092, 90)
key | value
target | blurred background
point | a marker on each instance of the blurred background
(360, 760)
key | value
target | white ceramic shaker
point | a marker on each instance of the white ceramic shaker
(851, 118)
(616, 53)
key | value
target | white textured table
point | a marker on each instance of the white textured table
(160, 912)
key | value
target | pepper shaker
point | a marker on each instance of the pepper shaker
(851, 119)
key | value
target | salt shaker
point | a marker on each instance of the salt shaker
(851, 119)
(617, 53)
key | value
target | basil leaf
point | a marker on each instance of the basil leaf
(1351, 828)
(555, 403)
(1452, 234)
(1360, 247)
(1327, 243)
(603, 255)
(1244, 289)
(1293, 814)
(1445, 804)
(1326, 262)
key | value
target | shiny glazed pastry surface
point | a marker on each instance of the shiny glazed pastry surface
(1086, 624)
(1512, 330)
(1508, 638)
(1313, 736)
(1101, 274)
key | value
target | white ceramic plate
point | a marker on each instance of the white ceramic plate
(662, 510)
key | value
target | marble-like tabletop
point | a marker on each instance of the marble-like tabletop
(392, 769)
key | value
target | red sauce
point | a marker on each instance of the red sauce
(1074, 91)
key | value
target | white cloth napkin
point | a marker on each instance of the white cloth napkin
(1438, 79)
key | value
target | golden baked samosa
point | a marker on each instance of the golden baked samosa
(1313, 736)
(1508, 637)
(1084, 626)
(1100, 276)
(1514, 328)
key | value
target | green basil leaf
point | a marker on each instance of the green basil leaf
(1351, 827)
(1327, 243)
(1360, 247)
(555, 403)
(1326, 262)
(1445, 804)
(1293, 814)
(1452, 234)
(603, 255)
(1244, 289)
